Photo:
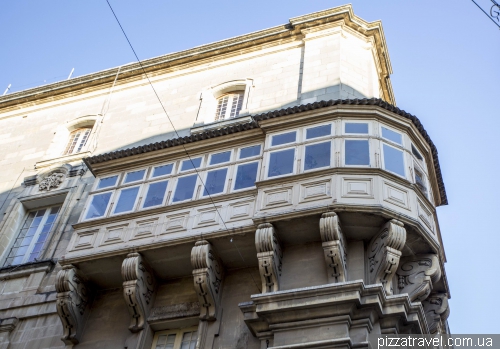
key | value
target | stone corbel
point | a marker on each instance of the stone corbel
(139, 286)
(270, 255)
(384, 253)
(436, 312)
(333, 247)
(73, 297)
(208, 275)
(416, 274)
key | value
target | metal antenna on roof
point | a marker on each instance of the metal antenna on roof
(6, 90)
(70, 74)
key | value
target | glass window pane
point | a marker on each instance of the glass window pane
(318, 131)
(156, 193)
(134, 176)
(220, 157)
(284, 138)
(162, 170)
(246, 175)
(107, 182)
(215, 181)
(317, 155)
(416, 153)
(190, 164)
(98, 205)
(126, 201)
(356, 127)
(281, 162)
(393, 160)
(357, 152)
(185, 188)
(249, 151)
(392, 136)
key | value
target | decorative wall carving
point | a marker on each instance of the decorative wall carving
(51, 182)
(270, 255)
(436, 312)
(139, 286)
(333, 247)
(208, 275)
(73, 299)
(416, 274)
(384, 253)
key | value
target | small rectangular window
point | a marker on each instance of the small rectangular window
(246, 175)
(176, 339)
(155, 194)
(392, 136)
(317, 155)
(189, 164)
(249, 151)
(220, 158)
(357, 152)
(356, 127)
(185, 188)
(162, 170)
(215, 182)
(416, 153)
(318, 131)
(393, 160)
(134, 176)
(107, 182)
(284, 138)
(126, 201)
(281, 162)
(419, 181)
(98, 205)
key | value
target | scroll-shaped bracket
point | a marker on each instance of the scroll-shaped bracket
(333, 247)
(384, 253)
(73, 297)
(208, 275)
(436, 312)
(139, 286)
(270, 255)
(416, 274)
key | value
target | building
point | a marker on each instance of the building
(293, 205)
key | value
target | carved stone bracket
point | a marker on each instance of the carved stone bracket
(72, 304)
(384, 253)
(270, 257)
(416, 274)
(139, 286)
(436, 312)
(208, 275)
(333, 247)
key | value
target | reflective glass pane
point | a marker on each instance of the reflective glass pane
(134, 176)
(393, 160)
(392, 136)
(215, 181)
(318, 131)
(126, 201)
(281, 162)
(356, 127)
(357, 152)
(246, 175)
(107, 182)
(162, 170)
(190, 164)
(416, 153)
(98, 205)
(220, 157)
(284, 138)
(185, 188)
(156, 193)
(250, 151)
(317, 155)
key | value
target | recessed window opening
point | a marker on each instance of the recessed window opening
(77, 140)
(392, 136)
(357, 152)
(284, 138)
(394, 160)
(229, 105)
(356, 127)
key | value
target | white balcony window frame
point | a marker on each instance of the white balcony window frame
(331, 135)
(195, 190)
(118, 195)
(343, 151)
(403, 154)
(106, 210)
(226, 181)
(318, 140)
(402, 144)
(124, 177)
(231, 154)
(235, 172)
(144, 192)
(172, 173)
(348, 121)
(239, 158)
(285, 147)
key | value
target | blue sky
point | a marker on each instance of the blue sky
(445, 60)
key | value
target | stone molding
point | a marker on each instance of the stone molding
(333, 247)
(417, 274)
(270, 256)
(208, 276)
(139, 285)
(436, 312)
(384, 252)
(52, 181)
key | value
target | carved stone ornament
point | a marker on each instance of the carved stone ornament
(436, 312)
(72, 303)
(51, 182)
(333, 247)
(416, 274)
(384, 253)
(208, 275)
(270, 256)
(139, 286)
